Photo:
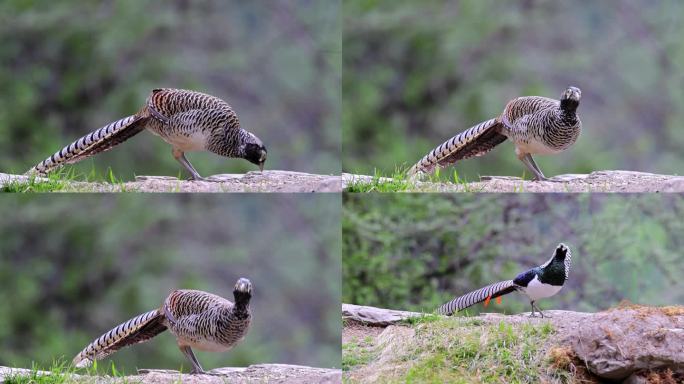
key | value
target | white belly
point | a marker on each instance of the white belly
(537, 290)
(192, 142)
(201, 343)
(207, 345)
(535, 147)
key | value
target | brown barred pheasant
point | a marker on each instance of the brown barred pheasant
(535, 125)
(197, 319)
(188, 120)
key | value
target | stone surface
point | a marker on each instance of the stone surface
(260, 373)
(267, 181)
(624, 342)
(617, 343)
(375, 316)
(599, 181)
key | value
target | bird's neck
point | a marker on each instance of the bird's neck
(553, 274)
(241, 312)
(568, 112)
(241, 306)
(228, 142)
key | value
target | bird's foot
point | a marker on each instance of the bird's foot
(541, 315)
(198, 372)
(208, 373)
(198, 178)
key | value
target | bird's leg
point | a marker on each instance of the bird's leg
(532, 304)
(532, 166)
(540, 312)
(196, 367)
(536, 167)
(180, 157)
(539, 176)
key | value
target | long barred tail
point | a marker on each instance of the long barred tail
(136, 330)
(489, 292)
(474, 141)
(98, 141)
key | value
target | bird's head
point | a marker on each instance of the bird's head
(254, 151)
(562, 251)
(570, 98)
(242, 290)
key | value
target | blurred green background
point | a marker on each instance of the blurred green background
(417, 251)
(69, 67)
(415, 73)
(73, 268)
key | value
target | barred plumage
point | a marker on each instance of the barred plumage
(97, 141)
(136, 330)
(197, 319)
(540, 282)
(469, 299)
(535, 125)
(188, 120)
(473, 142)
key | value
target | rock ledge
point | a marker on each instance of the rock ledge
(267, 181)
(260, 373)
(598, 181)
(621, 343)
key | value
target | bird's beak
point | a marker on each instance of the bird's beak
(261, 167)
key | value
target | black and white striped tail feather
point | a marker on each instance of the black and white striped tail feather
(136, 330)
(469, 299)
(97, 141)
(439, 156)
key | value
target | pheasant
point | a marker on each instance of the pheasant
(535, 125)
(188, 120)
(197, 319)
(537, 283)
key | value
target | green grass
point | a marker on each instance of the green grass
(61, 180)
(59, 372)
(55, 181)
(489, 353)
(356, 354)
(424, 318)
(399, 181)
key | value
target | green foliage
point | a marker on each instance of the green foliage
(417, 73)
(417, 251)
(67, 73)
(73, 268)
